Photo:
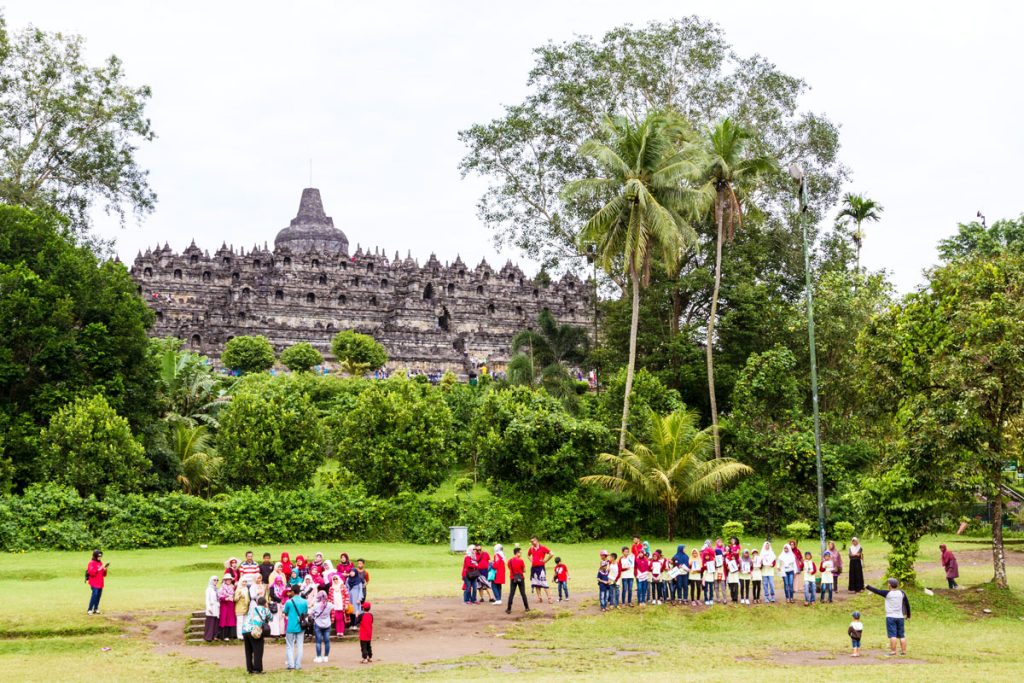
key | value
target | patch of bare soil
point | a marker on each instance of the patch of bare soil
(406, 631)
(826, 658)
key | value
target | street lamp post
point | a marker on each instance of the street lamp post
(797, 173)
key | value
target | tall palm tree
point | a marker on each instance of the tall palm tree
(858, 208)
(552, 343)
(645, 209)
(672, 470)
(726, 173)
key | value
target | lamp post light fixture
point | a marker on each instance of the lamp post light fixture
(797, 173)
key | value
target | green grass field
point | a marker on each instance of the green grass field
(46, 634)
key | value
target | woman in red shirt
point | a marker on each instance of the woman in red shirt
(498, 563)
(483, 565)
(469, 574)
(94, 575)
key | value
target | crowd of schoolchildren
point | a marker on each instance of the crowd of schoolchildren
(251, 601)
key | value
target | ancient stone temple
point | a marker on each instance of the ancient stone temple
(429, 317)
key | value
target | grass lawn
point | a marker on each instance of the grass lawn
(46, 634)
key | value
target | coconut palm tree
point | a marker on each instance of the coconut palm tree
(728, 170)
(646, 206)
(200, 464)
(858, 208)
(674, 469)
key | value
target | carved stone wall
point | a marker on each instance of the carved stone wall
(430, 317)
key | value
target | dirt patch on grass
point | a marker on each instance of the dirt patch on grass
(985, 602)
(406, 631)
(827, 658)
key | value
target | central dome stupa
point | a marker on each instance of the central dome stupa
(311, 229)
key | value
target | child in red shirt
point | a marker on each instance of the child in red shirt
(366, 634)
(562, 579)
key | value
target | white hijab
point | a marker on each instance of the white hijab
(499, 551)
(855, 548)
(767, 554)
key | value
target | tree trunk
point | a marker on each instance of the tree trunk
(670, 520)
(634, 323)
(998, 551)
(711, 335)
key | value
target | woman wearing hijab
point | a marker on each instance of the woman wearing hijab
(308, 591)
(231, 569)
(681, 565)
(498, 567)
(323, 566)
(301, 567)
(837, 563)
(344, 566)
(320, 610)
(469, 575)
(286, 564)
(226, 597)
(340, 602)
(277, 589)
(768, 571)
(242, 603)
(949, 563)
(856, 566)
(211, 624)
(356, 591)
(787, 567)
(257, 590)
(316, 574)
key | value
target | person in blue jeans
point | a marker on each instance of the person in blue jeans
(680, 584)
(602, 586)
(613, 581)
(293, 611)
(626, 576)
(321, 612)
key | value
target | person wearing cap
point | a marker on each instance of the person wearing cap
(897, 611)
(366, 634)
(855, 631)
(95, 573)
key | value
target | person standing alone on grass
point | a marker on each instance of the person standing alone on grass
(294, 609)
(855, 631)
(517, 577)
(366, 634)
(949, 563)
(539, 556)
(95, 573)
(897, 611)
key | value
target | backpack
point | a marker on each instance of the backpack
(305, 620)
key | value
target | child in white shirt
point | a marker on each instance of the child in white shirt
(825, 571)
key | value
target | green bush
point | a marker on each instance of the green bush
(301, 357)
(798, 530)
(730, 529)
(463, 485)
(248, 354)
(843, 531)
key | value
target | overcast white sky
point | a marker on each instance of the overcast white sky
(928, 96)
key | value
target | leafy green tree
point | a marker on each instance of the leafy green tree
(301, 357)
(644, 209)
(357, 353)
(200, 464)
(397, 437)
(552, 343)
(72, 326)
(949, 362)
(649, 397)
(270, 434)
(728, 171)
(189, 390)
(532, 150)
(248, 354)
(858, 208)
(89, 446)
(70, 131)
(528, 441)
(673, 470)
(974, 240)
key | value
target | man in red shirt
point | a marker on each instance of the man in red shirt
(517, 571)
(637, 547)
(539, 556)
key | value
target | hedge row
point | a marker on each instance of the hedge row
(52, 517)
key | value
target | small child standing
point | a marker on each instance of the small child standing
(613, 581)
(809, 571)
(366, 634)
(602, 586)
(562, 579)
(827, 565)
(733, 569)
(695, 585)
(755, 575)
(746, 568)
(709, 582)
(657, 566)
(856, 630)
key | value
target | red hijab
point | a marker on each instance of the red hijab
(286, 564)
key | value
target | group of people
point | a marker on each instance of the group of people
(717, 572)
(250, 601)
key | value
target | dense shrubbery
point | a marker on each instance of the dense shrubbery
(48, 516)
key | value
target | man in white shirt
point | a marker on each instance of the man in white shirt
(613, 582)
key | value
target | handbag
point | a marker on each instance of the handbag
(257, 631)
(305, 619)
(274, 607)
(472, 574)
